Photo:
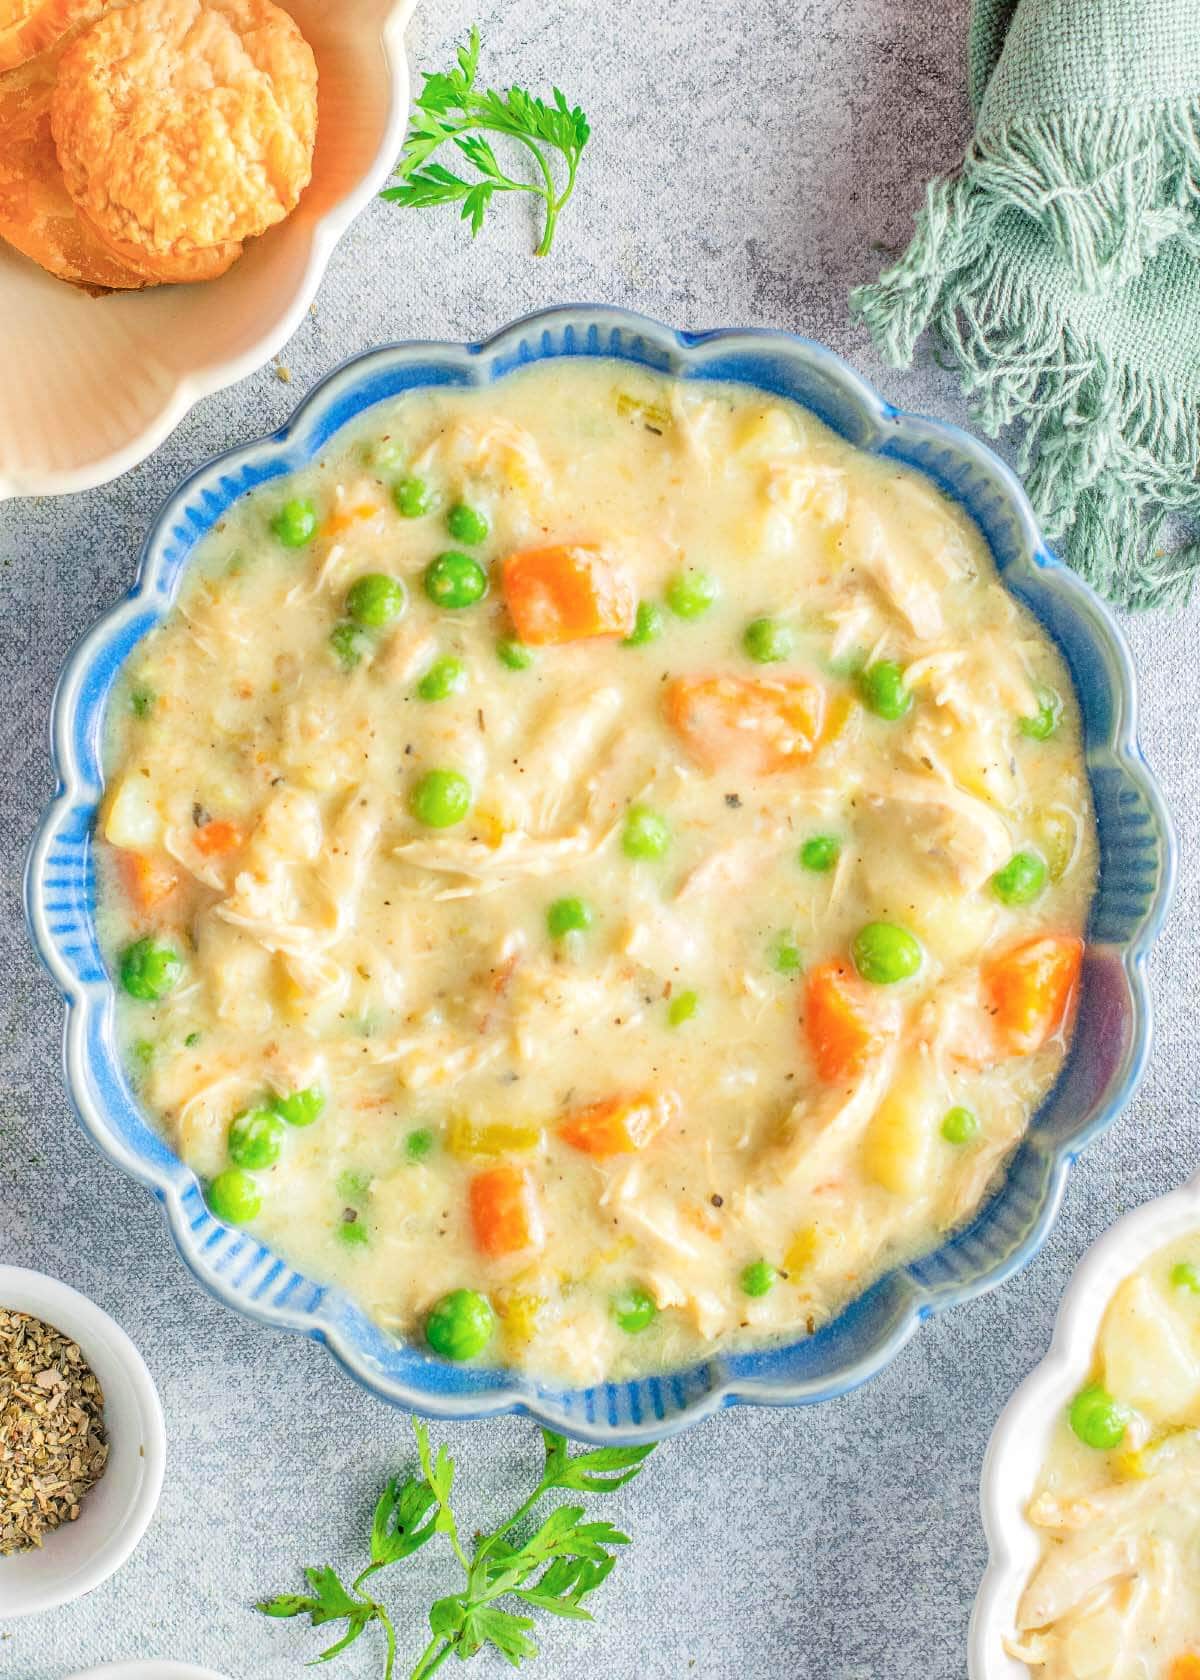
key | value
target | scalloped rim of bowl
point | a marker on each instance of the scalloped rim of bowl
(75, 1315)
(218, 376)
(653, 1407)
(1021, 1438)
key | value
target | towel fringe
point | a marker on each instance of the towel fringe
(1109, 450)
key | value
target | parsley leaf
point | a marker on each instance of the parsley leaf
(561, 1561)
(330, 1602)
(450, 110)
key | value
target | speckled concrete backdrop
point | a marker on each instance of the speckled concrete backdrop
(748, 161)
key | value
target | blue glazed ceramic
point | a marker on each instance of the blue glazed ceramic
(1137, 852)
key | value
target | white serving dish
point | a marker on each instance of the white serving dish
(117, 1511)
(92, 385)
(1021, 1438)
(148, 1670)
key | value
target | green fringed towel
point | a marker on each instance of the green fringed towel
(1061, 269)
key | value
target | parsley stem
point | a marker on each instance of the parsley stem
(390, 1631)
(539, 1491)
(552, 209)
(425, 1667)
(546, 193)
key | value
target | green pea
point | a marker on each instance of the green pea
(351, 644)
(255, 1139)
(682, 1007)
(353, 1232)
(884, 953)
(646, 834)
(419, 1144)
(455, 580)
(234, 1196)
(300, 1108)
(460, 1325)
(1021, 880)
(467, 525)
(141, 701)
(884, 690)
(514, 654)
(647, 626)
(767, 641)
(1046, 719)
(1097, 1419)
(568, 915)
(759, 1278)
(150, 968)
(413, 497)
(353, 1187)
(376, 600)
(444, 677)
(959, 1125)
(1186, 1275)
(440, 798)
(786, 956)
(820, 854)
(634, 1309)
(295, 523)
(690, 594)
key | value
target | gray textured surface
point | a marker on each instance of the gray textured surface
(744, 163)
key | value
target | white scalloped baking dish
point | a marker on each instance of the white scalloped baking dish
(92, 385)
(1021, 1438)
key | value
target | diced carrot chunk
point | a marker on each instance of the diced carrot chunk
(565, 593)
(344, 518)
(757, 723)
(1030, 990)
(214, 839)
(620, 1125)
(840, 1032)
(506, 1216)
(147, 877)
(1186, 1667)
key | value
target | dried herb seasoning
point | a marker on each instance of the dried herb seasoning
(52, 1440)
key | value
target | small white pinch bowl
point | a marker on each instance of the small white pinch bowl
(148, 1669)
(1021, 1439)
(116, 1512)
(92, 385)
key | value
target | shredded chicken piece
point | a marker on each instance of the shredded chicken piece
(729, 866)
(1109, 1580)
(488, 868)
(973, 839)
(823, 1128)
(179, 843)
(493, 450)
(328, 573)
(572, 733)
(902, 581)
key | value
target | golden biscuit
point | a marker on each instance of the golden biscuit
(37, 214)
(184, 127)
(28, 27)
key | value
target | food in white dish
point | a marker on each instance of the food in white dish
(1116, 1594)
(597, 868)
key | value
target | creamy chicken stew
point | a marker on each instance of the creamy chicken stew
(596, 867)
(1116, 1595)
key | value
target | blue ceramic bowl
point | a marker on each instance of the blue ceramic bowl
(1137, 852)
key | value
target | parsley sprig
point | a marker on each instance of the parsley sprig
(553, 1570)
(450, 108)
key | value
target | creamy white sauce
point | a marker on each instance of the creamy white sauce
(1116, 1595)
(328, 939)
